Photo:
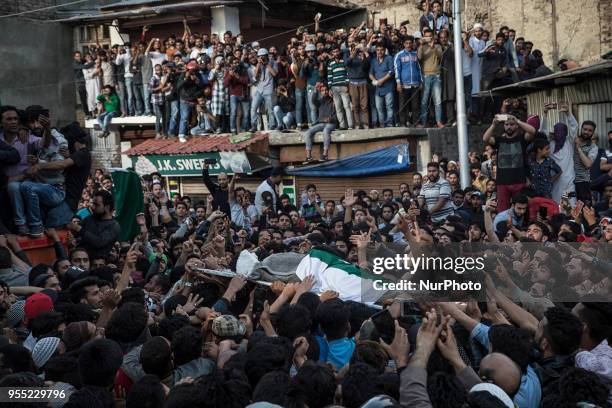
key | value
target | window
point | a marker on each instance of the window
(83, 34)
(105, 31)
(92, 33)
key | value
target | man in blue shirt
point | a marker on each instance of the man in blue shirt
(381, 71)
(518, 211)
(408, 80)
(529, 393)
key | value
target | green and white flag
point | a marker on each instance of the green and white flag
(129, 201)
(334, 273)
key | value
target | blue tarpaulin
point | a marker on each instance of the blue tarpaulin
(380, 161)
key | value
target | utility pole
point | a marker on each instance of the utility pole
(462, 133)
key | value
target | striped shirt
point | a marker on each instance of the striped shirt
(432, 192)
(336, 73)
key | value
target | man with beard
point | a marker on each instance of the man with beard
(584, 156)
(511, 155)
(386, 216)
(557, 336)
(76, 166)
(437, 194)
(97, 234)
(218, 191)
(417, 182)
(44, 188)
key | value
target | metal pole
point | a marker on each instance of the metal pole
(462, 133)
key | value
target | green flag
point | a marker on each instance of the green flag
(129, 201)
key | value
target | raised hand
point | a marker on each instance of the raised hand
(362, 240)
(349, 198)
(300, 345)
(429, 332)
(192, 303)
(399, 347)
(447, 346)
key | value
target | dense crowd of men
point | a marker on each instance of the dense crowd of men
(376, 76)
(162, 319)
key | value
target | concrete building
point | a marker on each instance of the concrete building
(36, 68)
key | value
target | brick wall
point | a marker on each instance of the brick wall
(18, 6)
(605, 16)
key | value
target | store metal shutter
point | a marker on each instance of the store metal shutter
(333, 188)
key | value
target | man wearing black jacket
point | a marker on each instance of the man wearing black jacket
(79, 80)
(99, 232)
(8, 156)
(189, 88)
(557, 337)
(218, 191)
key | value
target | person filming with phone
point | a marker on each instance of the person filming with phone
(511, 149)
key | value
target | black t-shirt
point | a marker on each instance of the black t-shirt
(76, 177)
(511, 159)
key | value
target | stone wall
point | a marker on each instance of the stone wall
(36, 68)
(583, 31)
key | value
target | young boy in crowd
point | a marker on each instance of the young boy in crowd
(543, 171)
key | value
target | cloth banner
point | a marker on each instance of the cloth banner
(129, 201)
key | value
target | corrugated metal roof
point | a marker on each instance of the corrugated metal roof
(553, 80)
(127, 3)
(145, 10)
(134, 8)
(591, 92)
(198, 144)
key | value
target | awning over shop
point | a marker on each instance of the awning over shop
(380, 161)
(231, 154)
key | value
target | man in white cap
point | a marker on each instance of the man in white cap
(477, 45)
(265, 72)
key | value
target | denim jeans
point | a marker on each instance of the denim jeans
(185, 110)
(431, 84)
(342, 102)
(105, 119)
(36, 195)
(201, 128)
(159, 111)
(59, 216)
(174, 118)
(283, 118)
(300, 94)
(381, 103)
(246, 111)
(258, 98)
(146, 98)
(129, 90)
(312, 109)
(14, 192)
(327, 128)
